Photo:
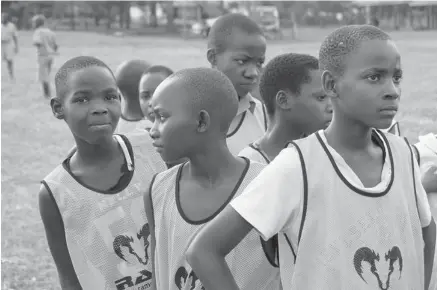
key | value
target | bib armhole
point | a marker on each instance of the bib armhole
(257, 149)
(126, 147)
(413, 173)
(416, 151)
(151, 198)
(265, 116)
(43, 182)
(305, 188)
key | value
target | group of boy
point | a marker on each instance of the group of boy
(205, 187)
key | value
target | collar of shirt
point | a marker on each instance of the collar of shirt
(246, 103)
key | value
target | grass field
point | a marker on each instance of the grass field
(34, 142)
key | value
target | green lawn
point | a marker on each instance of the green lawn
(34, 142)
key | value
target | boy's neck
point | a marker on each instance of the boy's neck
(350, 135)
(131, 111)
(213, 164)
(277, 135)
(91, 154)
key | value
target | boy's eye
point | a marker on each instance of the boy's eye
(112, 96)
(374, 78)
(260, 63)
(240, 61)
(80, 100)
(145, 95)
(321, 98)
(397, 79)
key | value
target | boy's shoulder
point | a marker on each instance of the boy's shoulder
(143, 150)
(164, 179)
(252, 154)
(57, 174)
(256, 166)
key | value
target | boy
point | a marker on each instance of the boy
(45, 41)
(291, 89)
(96, 227)
(193, 110)
(128, 75)
(9, 43)
(150, 80)
(355, 213)
(237, 47)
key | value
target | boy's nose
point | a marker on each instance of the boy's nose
(252, 72)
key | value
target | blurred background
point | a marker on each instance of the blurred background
(193, 18)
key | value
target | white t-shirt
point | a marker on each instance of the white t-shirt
(427, 149)
(46, 40)
(275, 202)
(8, 32)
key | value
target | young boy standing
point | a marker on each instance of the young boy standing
(45, 41)
(150, 80)
(348, 197)
(193, 111)
(297, 106)
(9, 43)
(237, 47)
(128, 76)
(91, 204)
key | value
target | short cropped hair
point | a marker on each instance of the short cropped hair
(72, 65)
(128, 75)
(209, 89)
(38, 20)
(159, 69)
(285, 72)
(344, 40)
(225, 25)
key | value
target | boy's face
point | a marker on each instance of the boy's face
(242, 60)
(147, 87)
(369, 90)
(312, 110)
(91, 105)
(174, 129)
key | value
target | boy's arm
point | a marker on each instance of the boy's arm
(36, 39)
(428, 225)
(54, 228)
(208, 250)
(15, 38)
(268, 204)
(55, 44)
(429, 237)
(148, 206)
(429, 180)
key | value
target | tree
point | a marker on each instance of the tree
(152, 7)
(169, 11)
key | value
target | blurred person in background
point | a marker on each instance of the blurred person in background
(45, 41)
(9, 43)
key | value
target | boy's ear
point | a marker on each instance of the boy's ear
(211, 55)
(283, 100)
(203, 121)
(57, 108)
(329, 83)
